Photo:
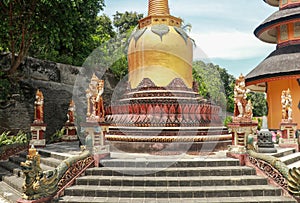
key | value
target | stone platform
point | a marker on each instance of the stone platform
(141, 177)
(168, 139)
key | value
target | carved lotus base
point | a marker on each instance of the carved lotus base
(168, 139)
(241, 120)
(150, 119)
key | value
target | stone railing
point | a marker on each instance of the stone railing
(277, 171)
(43, 186)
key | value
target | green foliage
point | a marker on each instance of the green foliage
(126, 21)
(56, 137)
(4, 137)
(49, 27)
(113, 53)
(259, 103)
(22, 137)
(120, 67)
(259, 121)
(7, 139)
(104, 30)
(214, 83)
(227, 120)
(228, 81)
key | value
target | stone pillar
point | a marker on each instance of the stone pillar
(240, 132)
(288, 132)
(95, 139)
(37, 134)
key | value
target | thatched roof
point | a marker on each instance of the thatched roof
(269, 35)
(272, 2)
(282, 62)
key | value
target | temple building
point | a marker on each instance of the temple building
(280, 70)
(161, 107)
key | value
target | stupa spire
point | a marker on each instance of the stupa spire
(158, 7)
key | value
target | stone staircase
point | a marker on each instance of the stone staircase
(171, 180)
(132, 178)
(12, 176)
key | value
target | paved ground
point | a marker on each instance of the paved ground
(3, 200)
(72, 148)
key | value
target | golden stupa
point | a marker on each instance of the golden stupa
(161, 109)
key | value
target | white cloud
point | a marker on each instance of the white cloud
(229, 45)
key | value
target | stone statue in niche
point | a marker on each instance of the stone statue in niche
(95, 106)
(242, 108)
(286, 103)
(70, 114)
(39, 107)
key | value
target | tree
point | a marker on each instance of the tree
(125, 22)
(259, 103)
(59, 26)
(104, 31)
(214, 83)
(228, 83)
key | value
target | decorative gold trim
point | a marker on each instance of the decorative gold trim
(158, 7)
(168, 139)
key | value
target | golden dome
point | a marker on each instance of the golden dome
(160, 49)
(160, 53)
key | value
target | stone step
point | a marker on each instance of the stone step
(283, 152)
(11, 167)
(53, 154)
(257, 199)
(8, 194)
(165, 163)
(174, 172)
(50, 161)
(172, 192)
(291, 158)
(18, 159)
(295, 164)
(4, 172)
(14, 181)
(171, 181)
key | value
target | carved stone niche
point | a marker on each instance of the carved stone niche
(265, 143)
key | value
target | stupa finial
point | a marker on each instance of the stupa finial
(158, 7)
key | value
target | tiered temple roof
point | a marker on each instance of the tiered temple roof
(281, 28)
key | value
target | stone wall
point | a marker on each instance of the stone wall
(56, 81)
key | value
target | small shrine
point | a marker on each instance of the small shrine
(264, 139)
(95, 127)
(242, 125)
(38, 127)
(70, 128)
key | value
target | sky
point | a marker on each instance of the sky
(222, 29)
